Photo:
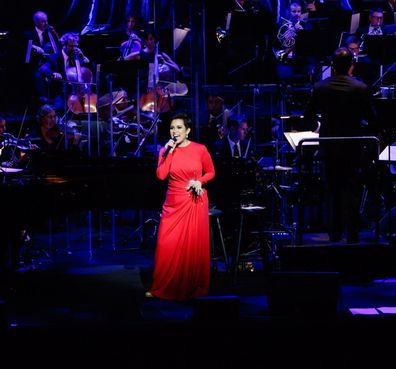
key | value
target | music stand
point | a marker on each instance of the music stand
(388, 156)
(381, 48)
(318, 44)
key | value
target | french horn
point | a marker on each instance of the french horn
(287, 38)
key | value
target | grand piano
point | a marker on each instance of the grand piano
(64, 182)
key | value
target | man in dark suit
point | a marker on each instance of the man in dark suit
(236, 143)
(291, 67)
(364, 68)
(346, 109)
(375, 26)
(42, 42)
(381, 51)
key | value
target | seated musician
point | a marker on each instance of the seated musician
(215, 124)
(290, 67)
(237, 142)
(43, 41)
(134, 42)
(6, 152)
(363, 67)
(166, 66)
(63, 66)
(375, 24)
(233, 159)
(376, 27)
(12, 149)
(165, 89)
(48, 136)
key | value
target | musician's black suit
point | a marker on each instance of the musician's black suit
(57, 89)
(222, 148)
(37, 60)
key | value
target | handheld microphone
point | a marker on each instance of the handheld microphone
(168, 148)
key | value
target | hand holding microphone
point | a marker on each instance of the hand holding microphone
(170, 146)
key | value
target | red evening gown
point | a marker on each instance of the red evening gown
(182, 256)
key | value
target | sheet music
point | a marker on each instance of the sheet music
(384, 156)
(179, 34)
(355, 20)
(295, 137)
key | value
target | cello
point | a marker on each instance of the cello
(82, 100)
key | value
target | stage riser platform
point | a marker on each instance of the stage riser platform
(351, 261)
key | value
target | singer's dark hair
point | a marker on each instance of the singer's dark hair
(184, 117)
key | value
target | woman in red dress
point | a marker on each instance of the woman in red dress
(182, 256)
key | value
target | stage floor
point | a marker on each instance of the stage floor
(78, 301)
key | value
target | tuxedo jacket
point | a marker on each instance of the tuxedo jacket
(55, 63)
(37, 59)
(387, 29)
(221, 148)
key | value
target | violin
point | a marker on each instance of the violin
(82, 100)
(20, 143)
(55, 135)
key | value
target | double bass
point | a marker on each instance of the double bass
(82, 100)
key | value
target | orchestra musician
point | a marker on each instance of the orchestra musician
(289, 66)
(13, 149)
(375, 24)
(376, 27)
(363, 68)
(215, 124)
(42, 42)
(156, 83)
(48, 136)
(63, 66)
(236, 143)
(134, 43)
(166, 66)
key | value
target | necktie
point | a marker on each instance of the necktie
(236, 151)
(48, 42)
(70, 62)
(44, 37)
